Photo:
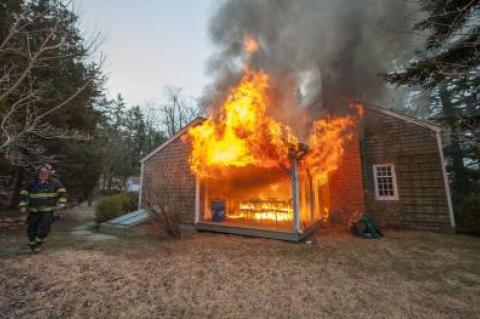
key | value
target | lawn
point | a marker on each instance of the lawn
(83, 275)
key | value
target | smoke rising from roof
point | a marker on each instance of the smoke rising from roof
(318, 52)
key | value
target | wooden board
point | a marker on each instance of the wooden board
(230, 228)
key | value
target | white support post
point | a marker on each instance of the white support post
(207, 213)
(312, 200)
(197, 200)
(445, 181)
(296, 210)
(140, 192)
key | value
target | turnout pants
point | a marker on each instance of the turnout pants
(39, 225)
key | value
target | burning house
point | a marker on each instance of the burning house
(391, 166)
(268, 163)
(243, 171)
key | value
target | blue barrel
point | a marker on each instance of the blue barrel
(218, 210)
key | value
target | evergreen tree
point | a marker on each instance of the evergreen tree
(137, 130)
(449, 68)
(129, 135)
(452, 47)
(48, 93)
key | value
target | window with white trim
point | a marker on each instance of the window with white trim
(385, 182)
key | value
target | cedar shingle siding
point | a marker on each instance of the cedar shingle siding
(168, 171)
(413, 149)
(346, 183)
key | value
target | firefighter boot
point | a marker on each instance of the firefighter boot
(32, 244)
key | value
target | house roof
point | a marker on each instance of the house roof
(426, 124)
(195, 122)
(368, 106)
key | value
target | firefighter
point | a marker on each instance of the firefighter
(42, 199)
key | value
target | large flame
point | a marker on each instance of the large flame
(244, 143)
(243, 134)
(326, 143)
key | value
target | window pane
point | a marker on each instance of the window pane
(384, 181)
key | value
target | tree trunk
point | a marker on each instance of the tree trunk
(90, 199)
(13, 188)
(104, 182)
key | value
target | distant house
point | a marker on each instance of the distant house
(132, 184)
(393, 169)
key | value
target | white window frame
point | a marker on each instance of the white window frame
(394, 182)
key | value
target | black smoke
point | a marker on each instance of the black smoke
(320, 53)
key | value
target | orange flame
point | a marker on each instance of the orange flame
(250, 44)
(243, 135)
(326, 144)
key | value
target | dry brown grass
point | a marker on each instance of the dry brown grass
(405, 275)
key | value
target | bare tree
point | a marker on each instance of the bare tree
(179, 109)
(152, 115)
(22, 122)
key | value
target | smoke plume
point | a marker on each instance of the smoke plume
(319, 53)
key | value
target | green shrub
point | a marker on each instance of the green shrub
(130, 201)
(468, 214)
(115, 205)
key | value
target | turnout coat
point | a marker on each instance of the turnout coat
(41, 197)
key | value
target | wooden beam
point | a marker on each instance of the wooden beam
(257, 232)
(252, 232)
(296, 206)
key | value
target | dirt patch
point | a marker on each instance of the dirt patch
(407, 274)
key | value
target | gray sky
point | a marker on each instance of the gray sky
(150, 44)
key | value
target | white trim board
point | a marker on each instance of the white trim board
(197, 200)
(445, 181)
(140, 192)
(403, 117)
